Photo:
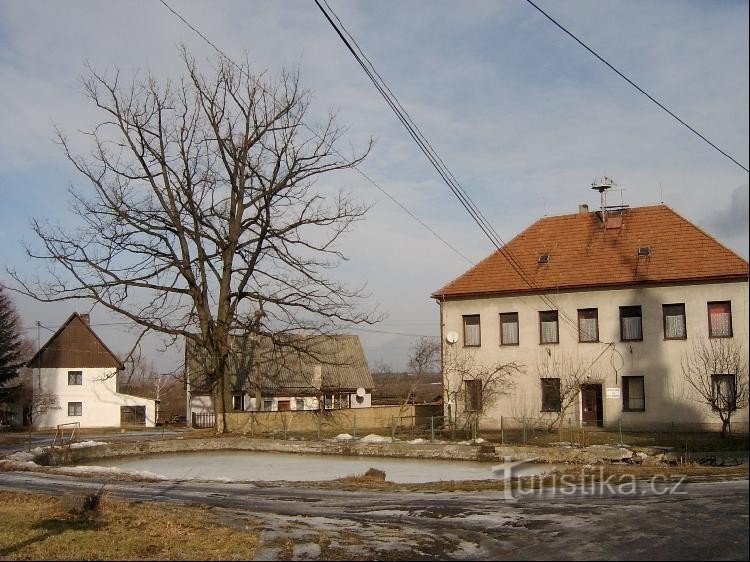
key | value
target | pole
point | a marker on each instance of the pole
(502, 431)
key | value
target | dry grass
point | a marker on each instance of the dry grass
(37, 527)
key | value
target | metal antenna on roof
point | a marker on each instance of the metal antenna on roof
(602, 186)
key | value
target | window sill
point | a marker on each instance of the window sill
(637, 411)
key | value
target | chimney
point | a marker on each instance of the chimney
(85, 318)
(583, 209)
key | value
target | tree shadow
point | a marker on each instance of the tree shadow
(54, 526)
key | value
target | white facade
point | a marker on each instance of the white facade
(656, 358)
(88, 396)
(203, 403)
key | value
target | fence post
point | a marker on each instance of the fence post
(570, 431)
(674, 436)
(502, 431)
(354, 426)
(524, 430)
(432, 428)
(393, 428)
(318, 417)
(620, 425)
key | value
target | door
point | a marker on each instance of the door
(591, 404)
(132, 415)
(284, 405)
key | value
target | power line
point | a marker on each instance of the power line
(356, 168)
(636, 86)
(437, 162)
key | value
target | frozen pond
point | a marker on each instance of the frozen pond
(254, 466)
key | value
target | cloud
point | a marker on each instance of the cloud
(730, 222)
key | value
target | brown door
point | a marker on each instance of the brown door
(285, 405)
(591, 404)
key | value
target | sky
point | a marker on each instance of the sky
(524, 117)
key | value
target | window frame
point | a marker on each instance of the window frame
(557, 327)
(664, 320)
(241, 396)
(622, 316)
(297, 402)
(580, 317)
(731, 327)
(626, 393)
(472, 395)
(77, 375)
(466, 317)
(545, 383)
(518, 328)
(263, 402)
(72, 408)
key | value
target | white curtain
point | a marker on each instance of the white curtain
(549, 332)
(587, 327)
(636, 394)
(471, 334)
(675, 326)
(631, 328)
(721, 324)
(510, 333)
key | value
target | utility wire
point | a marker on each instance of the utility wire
(333, 149)
(437, 162)
(636, 86)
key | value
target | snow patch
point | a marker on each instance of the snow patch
(343, 437)
(86, 444)
(418, 441)
(374, 438)
(108, 470)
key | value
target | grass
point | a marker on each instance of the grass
(38, 527)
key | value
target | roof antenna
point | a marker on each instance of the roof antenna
(661, 194)
(602, 186)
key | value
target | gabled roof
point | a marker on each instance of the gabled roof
(584, 254)
(288, 363)
(75, 345)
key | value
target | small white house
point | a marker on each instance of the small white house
(75, 380)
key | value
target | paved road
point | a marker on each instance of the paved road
(695, 521)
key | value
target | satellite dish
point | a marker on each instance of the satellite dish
(451, 337)
(361, 392)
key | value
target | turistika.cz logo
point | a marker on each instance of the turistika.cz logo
(589, 481)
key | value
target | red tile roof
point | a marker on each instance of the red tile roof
(583, 254)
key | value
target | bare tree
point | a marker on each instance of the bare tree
(201, 220)
(424, 356)
(472, 387)
(567, 374)
(716, 369)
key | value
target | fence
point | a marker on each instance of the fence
(203, 420)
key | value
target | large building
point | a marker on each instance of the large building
(592, 315)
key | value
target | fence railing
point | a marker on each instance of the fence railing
(59, 438)
(203, 420)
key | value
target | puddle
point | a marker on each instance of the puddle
(256, 466)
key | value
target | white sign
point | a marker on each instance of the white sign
(613, 392)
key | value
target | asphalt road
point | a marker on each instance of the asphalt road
(648, 521)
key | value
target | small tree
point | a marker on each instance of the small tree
(571, 373)
(12, 349)
(472, 387)
(716, 369)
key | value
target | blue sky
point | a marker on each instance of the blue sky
(524, 116)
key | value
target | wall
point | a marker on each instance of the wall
(668, 399)
(98, 394)
(343, 421)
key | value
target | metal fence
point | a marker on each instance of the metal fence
(203, 420)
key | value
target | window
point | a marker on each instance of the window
(299, 404)
(631, 323)
(267, 404)
(633, 394)
(724, 392)
(509, 328)
(548, 328)
(75, 378)
(75, 408)
(472, 331)
(674, 321)
(473, 395)
(720, 319)
(588, 325)
(550, 395)
(335, 401)
(238, 402)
